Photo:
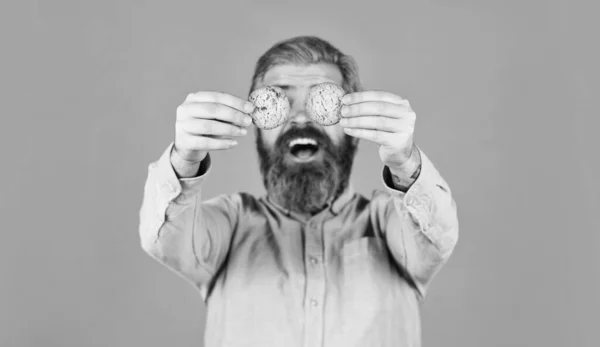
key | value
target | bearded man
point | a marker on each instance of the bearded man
(311, 262)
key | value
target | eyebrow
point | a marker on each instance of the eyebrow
(288, 80)
(290, 85)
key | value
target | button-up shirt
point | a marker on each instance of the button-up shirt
(352, 275)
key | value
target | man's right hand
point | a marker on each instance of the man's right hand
(209, 121)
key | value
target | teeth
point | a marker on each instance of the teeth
(303, 141)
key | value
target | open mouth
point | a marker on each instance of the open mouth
(303, 149)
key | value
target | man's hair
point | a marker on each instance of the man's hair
(306, 50)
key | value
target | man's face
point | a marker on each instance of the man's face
(296, 81)
(304, 165)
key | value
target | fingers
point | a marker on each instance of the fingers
(380, 117)
(358, 97)
(205, 143)
(206, 127)
(208, 121)
(378, 108)
(380, 137)
(221, 98)
(385, 124)
(212, 110)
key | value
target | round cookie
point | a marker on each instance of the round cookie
(324, 103)
(271, 107)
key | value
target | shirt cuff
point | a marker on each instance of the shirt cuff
(419, 198)
(170, 186)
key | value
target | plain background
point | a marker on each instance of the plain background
(505, 94)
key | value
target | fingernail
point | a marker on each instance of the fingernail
(232, 143)
(249, 107)
(247, 121)
(344, 111)
(243, 131)
(344, 99)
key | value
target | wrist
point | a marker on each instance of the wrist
(185, 168)
(404, 175)
(410, 166)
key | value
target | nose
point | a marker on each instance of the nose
(298, 114)
(300, 118)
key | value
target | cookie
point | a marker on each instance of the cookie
(271, 107)
(324, 103)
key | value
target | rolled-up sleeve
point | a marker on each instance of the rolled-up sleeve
(421, 225)
(180, 230)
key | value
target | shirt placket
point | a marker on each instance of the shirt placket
(315, 284)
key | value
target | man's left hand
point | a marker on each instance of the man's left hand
(383, 118)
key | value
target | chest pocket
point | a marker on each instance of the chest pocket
(367, 282)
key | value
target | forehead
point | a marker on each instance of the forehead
(291, 74)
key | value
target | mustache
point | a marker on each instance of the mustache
(305, 131)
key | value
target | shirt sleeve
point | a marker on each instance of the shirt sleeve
(180, 230)
(421, 225)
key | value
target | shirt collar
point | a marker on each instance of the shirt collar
(334, 206)
(342, 200)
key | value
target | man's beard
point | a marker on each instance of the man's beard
(305, 187)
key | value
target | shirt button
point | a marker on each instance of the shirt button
(314, 260)
(312, 224)
(410, 200)
(314, 303)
